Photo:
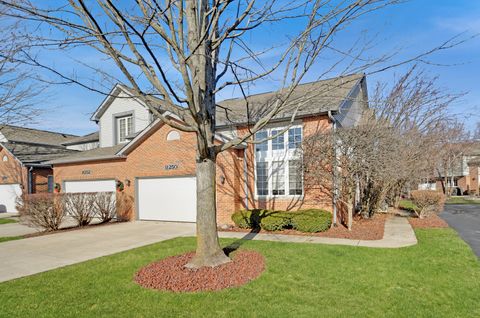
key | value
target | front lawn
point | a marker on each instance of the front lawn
(407, 205)
(10, 238)
(439, 277)
(462, 200)
(6, 221)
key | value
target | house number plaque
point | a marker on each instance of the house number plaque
(171, 167)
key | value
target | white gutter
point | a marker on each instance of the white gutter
(334, 177)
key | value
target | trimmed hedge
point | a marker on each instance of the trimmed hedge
(275, 221)
(312, 220)
(249, 219)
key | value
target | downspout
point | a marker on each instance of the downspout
(245, 177)
(334, 176)
(29, 180)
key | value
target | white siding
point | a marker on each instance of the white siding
(352, 109)
(122, 105)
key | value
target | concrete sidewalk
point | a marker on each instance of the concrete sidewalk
(398, 233)
(38, 254)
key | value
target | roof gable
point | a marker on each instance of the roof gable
(116, 90)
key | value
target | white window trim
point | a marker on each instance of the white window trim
(118, 119)
(286, 156)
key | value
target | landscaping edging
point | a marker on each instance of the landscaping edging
(398, 233)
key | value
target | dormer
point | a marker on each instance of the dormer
(120, 116)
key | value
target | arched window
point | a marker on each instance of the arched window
(173, 135)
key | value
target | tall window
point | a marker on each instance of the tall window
(278, 140)
(278, 178)
(278, 165)
(294, 137)
(124, 128)
(261, 137)
(262, 178)
(295, 178)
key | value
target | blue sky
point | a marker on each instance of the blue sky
(413, 27)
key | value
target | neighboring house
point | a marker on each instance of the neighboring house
(23, 153)
(155, 164)
(461, 178)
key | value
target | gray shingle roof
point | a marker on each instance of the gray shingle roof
(36, 153)
(93, 137)
(34, 136)
(307, 99)
(91, 155)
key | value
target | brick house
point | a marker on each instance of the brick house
(462, 178)
(23, 153)
(154, 164)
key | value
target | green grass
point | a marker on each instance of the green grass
(439, 277)
(10, 238)
(407, 205)
(6, 221)
(461, 200)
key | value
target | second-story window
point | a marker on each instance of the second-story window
(124, 127)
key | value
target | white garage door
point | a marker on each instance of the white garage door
(8, 197)
(90, 186)
(167, 199)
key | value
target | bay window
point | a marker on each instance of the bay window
(278, 169)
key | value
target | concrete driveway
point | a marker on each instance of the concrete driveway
(38, 254)
(465, 219)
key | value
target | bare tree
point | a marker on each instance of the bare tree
(476, 132)
(398, 141)
(186, 52)
(18, 90)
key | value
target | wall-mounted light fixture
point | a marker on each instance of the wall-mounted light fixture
(127, 182)
(222, 179)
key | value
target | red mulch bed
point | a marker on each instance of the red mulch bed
(432, 221)
(170, 274)
(362, 229)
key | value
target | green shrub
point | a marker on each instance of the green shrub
(242, 219)
(275, 220)
(249, 219)
(313, 220)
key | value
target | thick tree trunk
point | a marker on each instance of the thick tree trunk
(350, 215)
(209, 252)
